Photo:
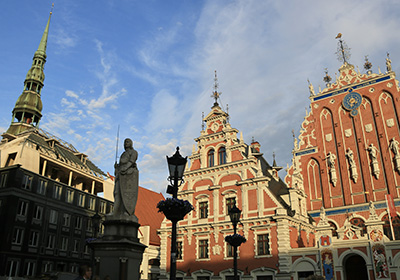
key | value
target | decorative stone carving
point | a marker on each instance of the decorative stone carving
(348, 132)
(328, 137)
(330, 157)
(372, 211)
(352, 165)
(126, 184)
(323, 220)
(311, 88)
(368, 127)
(390, 122)
(373, 154)
(388, 64)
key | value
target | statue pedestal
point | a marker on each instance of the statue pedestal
(118, 253)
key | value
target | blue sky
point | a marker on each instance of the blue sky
(148, 66)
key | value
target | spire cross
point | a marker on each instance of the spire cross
(216, 94)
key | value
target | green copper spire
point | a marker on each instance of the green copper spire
(28, 108)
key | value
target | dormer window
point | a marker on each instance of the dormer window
(210, 158)
(222, 155)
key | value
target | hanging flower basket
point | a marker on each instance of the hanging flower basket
(235, 239)
(174, 209)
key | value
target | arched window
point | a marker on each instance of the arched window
(210, 158)
(358, 222)
(396, 227)
(222, 155)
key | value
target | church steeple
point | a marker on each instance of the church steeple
(28, 108)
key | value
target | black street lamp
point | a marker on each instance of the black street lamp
(234, 214)
(176, 166)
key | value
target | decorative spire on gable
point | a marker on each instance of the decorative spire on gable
(27, 111)
(216, 94)
(343, 51)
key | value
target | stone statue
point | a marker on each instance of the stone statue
(394, 145)
(388, 63)
(373, 154)
(126, 183)
(331, 159)
(311, 88)
(352, 164)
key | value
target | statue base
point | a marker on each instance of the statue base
(118, 253)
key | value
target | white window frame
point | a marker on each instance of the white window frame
(53, 217)
(103, 207)
(42, 186)
(92, 203)
(34, 238)
(69, 197)
(64, 243)
(30, 268)
(38, 214)
(81, 200)
(77, 244)
(22, 208)
(66, 220)
(3, 179)
(18, 236)
(198, 240)
(27, 182)
(256, 255)
(13, 268)
(78, 222)
(51, 239)
(57, 192)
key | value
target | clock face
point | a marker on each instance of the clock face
(352, 101)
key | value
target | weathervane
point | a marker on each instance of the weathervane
(216, 94)
(202, 120)
(343, 51)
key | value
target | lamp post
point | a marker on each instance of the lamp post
(234, 214)
(176, 166)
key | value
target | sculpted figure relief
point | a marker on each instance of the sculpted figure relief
(126, 183)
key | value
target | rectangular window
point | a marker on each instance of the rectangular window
(27, 182)
(81, 200)
(230, 202)
(64, 244)
(13, 267)
(203, 208)
(76, 245)
(38, 212)
(103, 207)
(18, 236)
(66, 220)
(47, 266)
(70, 196)
(11, 159)
(92, 203)
(3, 180)
(86, 249)
(51, 239)
(89, 225)
(29, 268)
(42, 186)
(78, 222)
(229, 250)
(57, 192)
(262, 244)
(34, 239)
(179, 250)
(22, 208)
(53, 217)
(203, 249)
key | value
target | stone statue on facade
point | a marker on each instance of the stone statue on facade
(388, 64)
(330, 157)
(394, 146)
(310, 88)
(372, 211)
(126, 184)
(352, 164)
(373, 154)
